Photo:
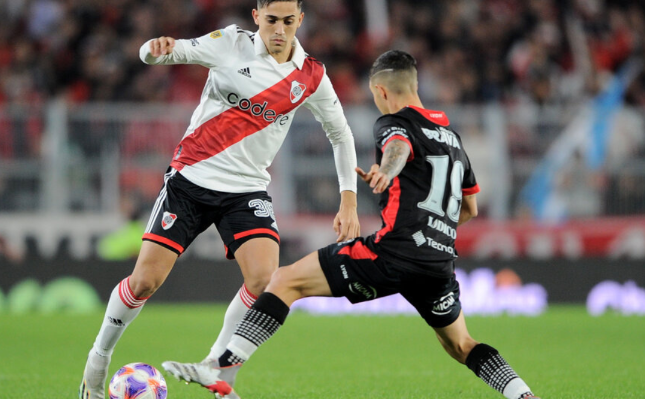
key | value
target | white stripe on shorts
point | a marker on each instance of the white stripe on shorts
(160, 199)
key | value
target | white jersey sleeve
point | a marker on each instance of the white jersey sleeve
(327, 110)
(246, 108)
(209, 50)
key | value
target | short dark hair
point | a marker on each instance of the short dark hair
(394, 60)
(264, 3)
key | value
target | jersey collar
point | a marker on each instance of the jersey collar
(438, 117)
(298, 58)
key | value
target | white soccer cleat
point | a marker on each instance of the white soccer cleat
(231, 395)
(208, 374)
(94, 377)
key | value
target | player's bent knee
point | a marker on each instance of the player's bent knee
(145, 281)
(257, 284)
(280, 276)
(285, 284)
(143, 288)
(285, 278)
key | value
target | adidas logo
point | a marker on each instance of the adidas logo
(245, 71)
(116, 322)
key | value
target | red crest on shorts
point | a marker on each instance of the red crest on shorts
(168, 220)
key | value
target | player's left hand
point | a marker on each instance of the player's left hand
(346, 224)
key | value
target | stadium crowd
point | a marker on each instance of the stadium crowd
(512, 52)
(469, 50)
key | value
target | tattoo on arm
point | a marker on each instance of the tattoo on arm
(395, 157)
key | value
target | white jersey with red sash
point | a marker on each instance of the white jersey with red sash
(247, 107)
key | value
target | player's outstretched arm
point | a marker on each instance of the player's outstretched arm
(395, 156)
(163, 50)
(325, 106)
(161, 46)
(346, 224)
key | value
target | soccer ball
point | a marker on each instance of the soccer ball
(138, 381)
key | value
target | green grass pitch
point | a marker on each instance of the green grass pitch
(562, 354)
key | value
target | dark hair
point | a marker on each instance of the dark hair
(264, 3)
(395, 60)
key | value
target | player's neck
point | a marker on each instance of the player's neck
(284, 56)
(398, 103)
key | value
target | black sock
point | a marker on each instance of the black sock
(491, 367)
(265, 317)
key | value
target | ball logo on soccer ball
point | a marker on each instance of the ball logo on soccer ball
(138, 381)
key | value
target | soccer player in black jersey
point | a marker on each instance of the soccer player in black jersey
(427, 189)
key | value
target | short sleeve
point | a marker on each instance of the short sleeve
(469, 185)
(388, 128)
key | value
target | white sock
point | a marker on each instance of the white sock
(122, 308)
(516, 388)
(236, 310)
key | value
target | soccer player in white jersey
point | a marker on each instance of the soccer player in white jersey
(218, 175)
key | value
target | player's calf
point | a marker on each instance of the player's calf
(491, 367)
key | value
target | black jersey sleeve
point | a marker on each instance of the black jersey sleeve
(469, 184)
(391, 127)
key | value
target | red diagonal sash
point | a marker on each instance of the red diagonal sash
(233, 125)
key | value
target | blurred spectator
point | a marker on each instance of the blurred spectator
(625, 195)
(580, 189)
(529, 56)
(474, 50)
(8, 253)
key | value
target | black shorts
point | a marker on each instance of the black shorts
(184, 210)
(355, 272)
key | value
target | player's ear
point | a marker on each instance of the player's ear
(256, 16)
(381, 91)
(302, 16)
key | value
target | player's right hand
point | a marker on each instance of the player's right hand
(161, 46)
(377, 180)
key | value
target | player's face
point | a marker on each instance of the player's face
(278, 24)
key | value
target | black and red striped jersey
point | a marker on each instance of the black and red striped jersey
(420, 209)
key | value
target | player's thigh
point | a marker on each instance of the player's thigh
(436, 299)
(258, 259)
(302, 279)
(352, 270)
(179, 214)
(152, 268)
(245, 217)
